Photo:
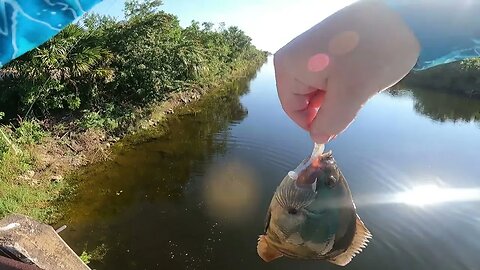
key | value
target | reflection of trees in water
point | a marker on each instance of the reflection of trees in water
(145, 187)
(211, 116)
(204, 128)
(441, 106)
(162, 164)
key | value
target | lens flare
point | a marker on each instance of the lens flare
(433, 194)
(231, 192)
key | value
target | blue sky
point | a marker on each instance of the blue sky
(270, 23)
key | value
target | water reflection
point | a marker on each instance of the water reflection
(195, 197)
(441, 106)
(421, 195)
(433, 194)
(141, 204)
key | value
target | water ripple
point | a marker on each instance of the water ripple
(273, 154)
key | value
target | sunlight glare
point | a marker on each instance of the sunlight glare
(433, 194)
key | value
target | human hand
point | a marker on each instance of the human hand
(325, 75)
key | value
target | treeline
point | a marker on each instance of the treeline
(106, 67)
(462, 78)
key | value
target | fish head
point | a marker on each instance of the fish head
(311, 214)
(319, 188)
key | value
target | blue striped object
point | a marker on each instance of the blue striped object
(26, 24)
(448, 30)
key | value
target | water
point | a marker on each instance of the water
(195, 196)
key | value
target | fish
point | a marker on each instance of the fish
(312, 215)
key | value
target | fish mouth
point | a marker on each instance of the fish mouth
(305, 175)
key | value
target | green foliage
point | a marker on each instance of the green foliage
(462, 77)
(29, 132)
(93, 120)
(19, 191)
(15, 158)
(85, 257)
(13, 162)
(141, 8)
(127, 63)
(5, 141)
(26, 199)
(95, 255)
(12, 143)
(472, 64)
(61, 75)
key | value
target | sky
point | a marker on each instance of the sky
(270, 23)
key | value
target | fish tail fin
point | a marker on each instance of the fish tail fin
(359, 242)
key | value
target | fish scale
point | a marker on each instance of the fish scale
(312, 215)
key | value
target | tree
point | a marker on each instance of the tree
(141, 8)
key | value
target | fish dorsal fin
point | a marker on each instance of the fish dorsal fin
(265, 251)
(360, 240)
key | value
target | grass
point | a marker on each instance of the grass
(27, 200)
(20, 190)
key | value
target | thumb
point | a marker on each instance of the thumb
(336, 113)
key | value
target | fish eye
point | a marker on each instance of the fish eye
(292, 211)
(331, 181)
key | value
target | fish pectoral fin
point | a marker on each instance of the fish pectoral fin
(265, 251)
(360, 240)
